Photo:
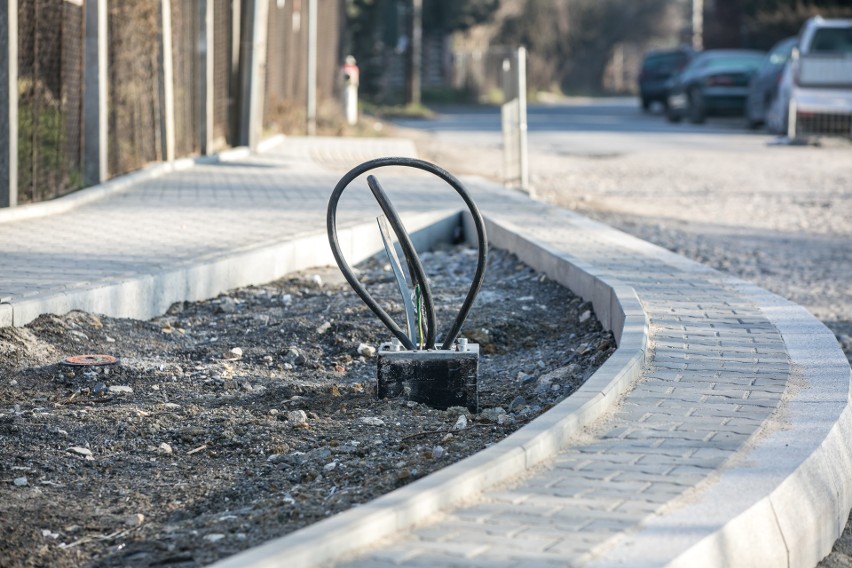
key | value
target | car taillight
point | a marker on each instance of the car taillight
(720, 80)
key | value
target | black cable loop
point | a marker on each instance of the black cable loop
(479, 275)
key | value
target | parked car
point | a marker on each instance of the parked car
(657, 68)
(816, 86)
(763, 87)
(714, 82)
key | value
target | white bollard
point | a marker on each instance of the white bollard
(350, 73)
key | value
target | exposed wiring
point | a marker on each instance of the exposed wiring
(418, 275)
(411, 256)
(418, 301)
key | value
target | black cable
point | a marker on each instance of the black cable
(479, 275)
(418, 275)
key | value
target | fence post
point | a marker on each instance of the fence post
(9, 103)
(235, 88)
(311, 110)
(253, 72)
(167, 65)
(95, 97)
(205, 76)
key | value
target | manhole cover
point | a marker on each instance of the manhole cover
(89, 360)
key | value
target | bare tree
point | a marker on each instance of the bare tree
(570, 42)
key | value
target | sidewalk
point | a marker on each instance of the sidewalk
(717, 435)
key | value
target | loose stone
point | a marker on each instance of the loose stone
(297, 417)
(323, 328)
(366, 350)
(80, 451)
(517, 404)
(461, 423)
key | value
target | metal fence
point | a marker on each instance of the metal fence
(135, 100)
(286, 61)
(185, 27)
(50, 63)
(225, 64)
(186, 91)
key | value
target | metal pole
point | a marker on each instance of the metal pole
(506, 120)
(416, 51)
(206, 45)
(792, 115)
(253, 72)
(698, 25)
(95, 96)
(312, 68)
(167, 62)
(235, 89)
(9, 103)
(522, 120)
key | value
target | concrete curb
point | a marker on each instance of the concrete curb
(785, 500)
(536, 442)
(124, 182)
(151, 295)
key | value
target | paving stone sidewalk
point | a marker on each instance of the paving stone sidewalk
(718, 374)
(717, 370)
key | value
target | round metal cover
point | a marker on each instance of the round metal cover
(91, 360)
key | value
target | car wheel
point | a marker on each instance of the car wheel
(697, 114)
(753, 115)
(672, 115)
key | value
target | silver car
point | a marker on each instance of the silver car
(815, 95)
(763, 87)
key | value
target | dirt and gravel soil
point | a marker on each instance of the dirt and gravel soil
(239, 419)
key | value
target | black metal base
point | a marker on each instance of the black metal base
(438, 378)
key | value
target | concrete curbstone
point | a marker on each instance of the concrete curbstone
(147, 296)
(761, 543)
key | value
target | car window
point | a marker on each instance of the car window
(728, 61)
(664, 62)
(832, 40)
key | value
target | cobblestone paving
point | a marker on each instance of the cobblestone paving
(717, 371)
